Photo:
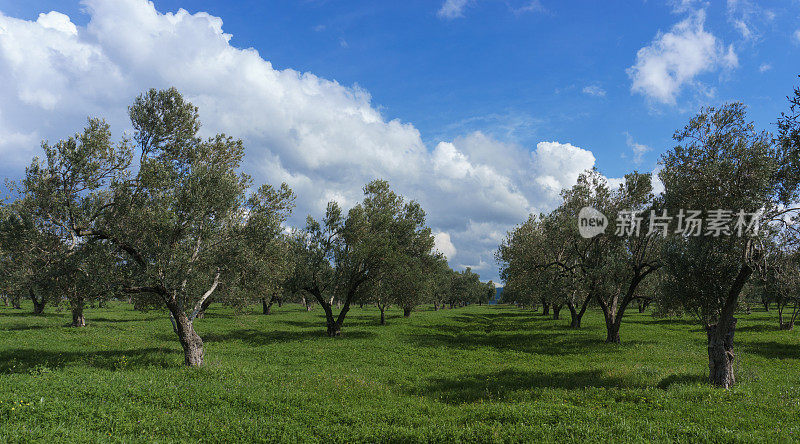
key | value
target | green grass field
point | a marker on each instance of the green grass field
(476, 374)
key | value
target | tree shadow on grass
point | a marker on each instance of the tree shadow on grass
(304, 324)
(516, 336)
(357, 320)
(91, 319)
(501, 385)
(662, 321)
(500, 318)
(28, 314)
(375, 319)
(258, 338)
(514, 311)
(772, 349)
(758, 328)
(26, 360)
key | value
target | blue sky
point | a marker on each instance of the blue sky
(462, 92)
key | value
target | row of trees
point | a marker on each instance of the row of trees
(720, 161)
(168, 221)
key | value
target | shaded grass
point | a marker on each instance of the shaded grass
(477, 374)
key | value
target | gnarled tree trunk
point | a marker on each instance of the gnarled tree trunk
(789, 324)
(76, 306)
(266, 304)
(720, 335)
(720, 353)
(612, 332)
(545, 308)
(407, 311)
(614, 308)
(38, 304)
(573, 313)
(334, 324)
(382, 308)
(190, 341)
(643, 303)
(333, 327)
(576, 315)
(613, 316)
(556, 311)
(15, 302)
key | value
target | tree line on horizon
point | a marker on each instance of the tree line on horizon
(720, 161)
(168, 222)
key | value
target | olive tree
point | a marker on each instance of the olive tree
(547, 259)
(516, 255)
(614, 263)
(721, 162)
(780, 281)
(179, 220)
(341, 256)
(465, 288)
(30, 257)
(263, 260)
(523, 255)
(488, 294)
(439, 282)
(68, 188)
(414, 264)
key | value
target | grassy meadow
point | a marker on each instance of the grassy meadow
(475, 374)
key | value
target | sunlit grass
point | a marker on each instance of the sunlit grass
(472, 374)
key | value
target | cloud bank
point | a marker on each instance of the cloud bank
(326, 140)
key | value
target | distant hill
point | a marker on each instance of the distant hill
(498, 296)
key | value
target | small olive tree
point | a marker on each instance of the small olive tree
(30, 258)
(68, 188)
(372, 246)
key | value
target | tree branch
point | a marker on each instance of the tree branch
(206, 295)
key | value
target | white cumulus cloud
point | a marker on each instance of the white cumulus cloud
(443, 244)
(557, 165)
(675, 59)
